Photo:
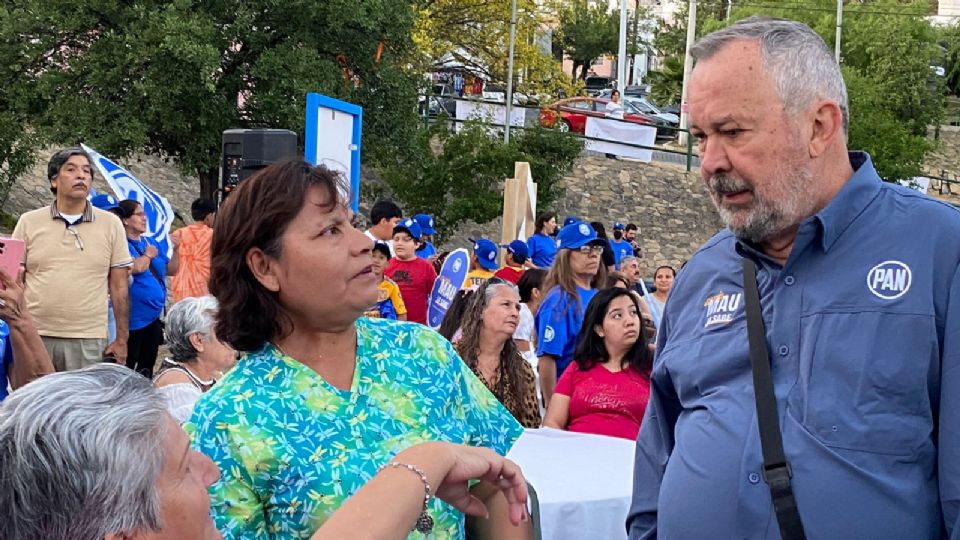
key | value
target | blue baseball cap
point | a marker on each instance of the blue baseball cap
(618, 226)
(410, 227)
(104, 201)
(577, 234)
(486, 252)
(426, 223)
(517, 248)
(570, 219)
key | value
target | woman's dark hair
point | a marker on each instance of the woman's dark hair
(542, 220)
(591, 350)
(454, 316)
(601, 230)
(255, 216)
(668, 267)
(531, 279)
(126, 208)
(614, 278)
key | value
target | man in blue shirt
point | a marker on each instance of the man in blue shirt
(860, 286)
(620, 246)
(542, 246)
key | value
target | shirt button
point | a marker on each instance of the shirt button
(754, 478)
(783, 350)
(789, 280)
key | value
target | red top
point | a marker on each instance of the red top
(510, 274)
(604, 402)
(415, 279)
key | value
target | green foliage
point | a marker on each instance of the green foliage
(887, 48)
(666, 84)
(459, 176)
(587, 32)
(167, 76)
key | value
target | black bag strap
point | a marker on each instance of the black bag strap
(163, 284)
(776, 468)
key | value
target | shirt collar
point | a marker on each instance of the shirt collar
(86, 216)
(858, 192)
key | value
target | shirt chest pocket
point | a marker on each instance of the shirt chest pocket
(864, 379)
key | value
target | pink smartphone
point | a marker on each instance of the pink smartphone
(11, 256)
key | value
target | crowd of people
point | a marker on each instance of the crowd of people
(303, 387)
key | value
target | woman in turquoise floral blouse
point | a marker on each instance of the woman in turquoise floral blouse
(323, 398)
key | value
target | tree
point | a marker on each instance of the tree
(477, 34)
(587, 32)
(459, 176)
(887, 48)
(169, 76)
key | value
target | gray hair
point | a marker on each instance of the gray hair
(491, 290)
(80, 454)
(628, 259)
(187, 317)
(795, 57)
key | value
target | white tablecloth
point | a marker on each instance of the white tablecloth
(584, 482)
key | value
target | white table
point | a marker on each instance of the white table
(584, 482)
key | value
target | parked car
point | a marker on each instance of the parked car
(572, 113)
(643, 106)
(595, 84)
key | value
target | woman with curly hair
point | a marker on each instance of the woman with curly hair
(488, 348)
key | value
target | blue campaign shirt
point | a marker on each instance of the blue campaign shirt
(863, 326)
(621, 249)
(147, 293)
(426, 251)
(6, 350)
(558, 323)
(543, 249)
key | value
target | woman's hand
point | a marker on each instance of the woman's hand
(460, 464)
(12, 302)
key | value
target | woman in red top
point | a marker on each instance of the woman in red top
(605, 391)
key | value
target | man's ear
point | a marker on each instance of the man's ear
(264, 268)
(826, 120)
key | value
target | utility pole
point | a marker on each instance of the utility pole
(836, 48)
(513, 38)
(622, 52)
(687, 68)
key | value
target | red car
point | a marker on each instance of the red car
(572, 114)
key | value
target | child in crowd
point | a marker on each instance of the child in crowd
(412, 274)
(389, 304)
(426, 249)
(516, 257)
(483, 263)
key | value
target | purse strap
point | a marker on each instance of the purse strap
(776, 468)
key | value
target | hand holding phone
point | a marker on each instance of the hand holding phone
(11, 256)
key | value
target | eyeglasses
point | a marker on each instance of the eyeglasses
(586, 250)
(76, 236)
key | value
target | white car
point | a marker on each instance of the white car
(642, 106)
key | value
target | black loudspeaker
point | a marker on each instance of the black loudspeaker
(245, 151)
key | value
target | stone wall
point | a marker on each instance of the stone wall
(670, 206)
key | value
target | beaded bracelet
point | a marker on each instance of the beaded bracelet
(424, 523)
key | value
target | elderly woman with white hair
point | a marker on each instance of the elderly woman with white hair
(92, 454)
(198, 357)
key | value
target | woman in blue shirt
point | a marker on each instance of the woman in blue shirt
(570, 284)
(542, 247)
(148, 288)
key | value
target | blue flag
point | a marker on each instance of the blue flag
(451, 278)
(126, 186)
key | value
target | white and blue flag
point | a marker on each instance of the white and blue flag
(127, 186)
